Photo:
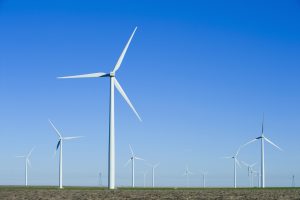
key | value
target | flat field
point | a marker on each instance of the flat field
(87, 193)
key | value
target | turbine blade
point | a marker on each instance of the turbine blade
(156, 165)
(226, 157)
(92, 75)
(29, 154)
(29, 163)
(253, 165)
(262, 125)
(127, 163)
(249, 142)
(58, 133)
(58, 144)
(238, 162)
(131, 150)
(138, 158)
(272, 143)
(119, 62)
(20, 156)
(71, 138)
(118, 86)
(244, 163)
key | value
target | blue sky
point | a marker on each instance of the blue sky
(200, 74)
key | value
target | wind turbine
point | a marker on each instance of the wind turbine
(60, 144)
(293, 181)
(100, 179)
(113, 83)
(132, 159)
(145, 175)
(153, 172)
(27, 162)
(250, 172)
(262, 138)
(203, 178)
(256, 173)
(187, 173)
(236, 161)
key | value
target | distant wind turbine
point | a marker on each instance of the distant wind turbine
(256, 173)
(145, 175)
(204, 178)
(293, 181)
(262, 138)
(187, 174)
(250, 172)
(27, 162)
(60, 144)
(235, 161)
(153, 172)
(113, 83)
(132, 159)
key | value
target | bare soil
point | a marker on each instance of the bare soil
(13, 193)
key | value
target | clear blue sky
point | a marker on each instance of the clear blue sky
(200, 74)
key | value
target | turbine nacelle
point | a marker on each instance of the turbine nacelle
(112, 74)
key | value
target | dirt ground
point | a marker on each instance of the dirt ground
(9, 193)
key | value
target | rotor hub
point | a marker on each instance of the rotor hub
(112, 74)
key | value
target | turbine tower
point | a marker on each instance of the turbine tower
(113, 83)
(250, 172)
(235, 161)
(187, 174)
(145, 175)
(256, 173)
(262, 138)
(293, 181)
(60, 144)
(132, 159)
(204, 178)
(153, 172)
(27, 162)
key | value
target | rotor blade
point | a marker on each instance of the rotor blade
(131, 150)
(238, 162)
(253, 165)
(58, 133)
(249, 142)
(29, 154)
(156, 165)
(273, 144)
(127, 162)
(92, 75)
(58, 144)
(138, 158)
(244, 163)
(29, 163)
(71, 138)
(119, 62)
(237, 152)
(20, 156)
(118, 86)
(226, 157)
(262, 125)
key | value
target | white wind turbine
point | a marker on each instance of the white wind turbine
(236, 161)
(204, 178)
(60, 144)
(27, 162)
(256, 173)
(153, 173)
(250, 172)
(263, 139)
(132, 159)
(145, 175)
(113, 83)
(187, 174)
